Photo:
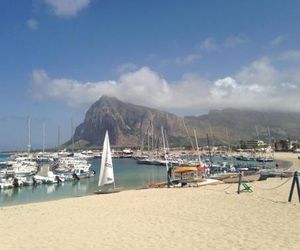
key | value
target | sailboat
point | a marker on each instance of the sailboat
(106, 175)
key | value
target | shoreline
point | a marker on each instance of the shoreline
(289, 160)
(197, 218)
(209, 217)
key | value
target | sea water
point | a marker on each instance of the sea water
(4, 156)
(128, 175)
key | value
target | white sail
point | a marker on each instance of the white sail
(106, 171)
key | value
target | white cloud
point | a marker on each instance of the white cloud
(75, 93)
(277, 41)
(259, 85)
(188, 59)
(32, 24)
(288, 85)
(67, 8)
(230, 42)
(234, 41)
(223, 88)
(141, 86)
(226, 82)
(208, 44)
(290, 56)
(125, 68)
(258, 72)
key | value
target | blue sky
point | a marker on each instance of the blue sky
(57, 57)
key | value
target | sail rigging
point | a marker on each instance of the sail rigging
(106, 171)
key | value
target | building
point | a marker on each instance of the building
(255, 144)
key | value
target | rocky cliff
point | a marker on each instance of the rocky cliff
(133, 125)
(127, 124)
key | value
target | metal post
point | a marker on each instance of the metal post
(295, 180)
(298, 187)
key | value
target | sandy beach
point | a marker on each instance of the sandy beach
(291, 157)
(210, 217)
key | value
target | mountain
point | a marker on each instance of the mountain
(129, 125)
(233, 125)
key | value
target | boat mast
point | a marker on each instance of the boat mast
(152, 132)
(270, 142)
(165, 156)
(212, 139)
(58, 138)
(148, 140)
(209, 151)
(72, 131)
(228, 141)
(44, 136)
(257, 133)
(29, 135)
(198, 152)
(167, 142)
(187, 132)
(110, 155)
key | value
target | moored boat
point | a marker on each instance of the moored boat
(244, 178)
(106, 173)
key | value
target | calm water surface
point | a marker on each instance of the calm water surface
(128, 175)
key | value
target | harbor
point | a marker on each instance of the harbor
(162, 215)
(65, 175)
(149, 125)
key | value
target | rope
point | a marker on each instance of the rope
(254, 194)
(267, 199)
(272, 188)
(227, 187)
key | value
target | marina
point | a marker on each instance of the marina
(129, 174)
(149, 125)
(139, 217)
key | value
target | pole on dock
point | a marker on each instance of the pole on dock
(239, 183)
(165, 156)
(295, 180)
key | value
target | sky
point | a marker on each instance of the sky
(57, 57)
